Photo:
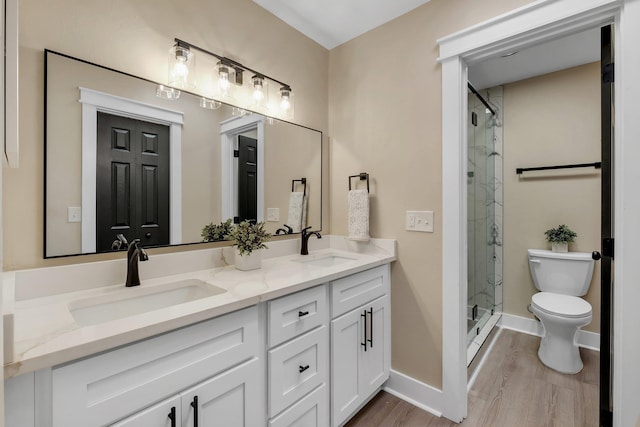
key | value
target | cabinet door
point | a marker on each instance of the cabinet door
(360, 356)
(376, 361)
(164, 414)
(231, 399)
(347, 334)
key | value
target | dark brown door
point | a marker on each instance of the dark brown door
(132, 193)
(607, 230)
(247, 178)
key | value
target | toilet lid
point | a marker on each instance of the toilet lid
(561, 305)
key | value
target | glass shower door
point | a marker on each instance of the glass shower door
(484, 214)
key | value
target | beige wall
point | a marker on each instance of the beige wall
(548, 120)
(385, 119)
(135, 37)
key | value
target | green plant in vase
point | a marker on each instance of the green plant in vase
(560, 237)
(249, 237)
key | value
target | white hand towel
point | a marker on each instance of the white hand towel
(294, 220)
(359, 215)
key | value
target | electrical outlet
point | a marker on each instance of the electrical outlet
(74, 214)
(273, 214)
(419, 221)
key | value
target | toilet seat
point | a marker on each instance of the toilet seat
(561, 305)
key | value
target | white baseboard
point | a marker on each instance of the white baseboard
(586, 339)
(415, 392)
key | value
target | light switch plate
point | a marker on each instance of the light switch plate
(273, 214)
(419, 221)
(74, 214)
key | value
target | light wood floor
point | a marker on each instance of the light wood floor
(513, 389)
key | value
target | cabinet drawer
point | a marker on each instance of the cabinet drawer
(102, 389)
(296, 314)
(358, 289)
(297, 367)
(310, 411)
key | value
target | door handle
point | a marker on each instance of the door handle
(302, 313)
(595, 255)
(194, 405)
(301, 368)
(364, 337)
(172, 416)
(370, 327)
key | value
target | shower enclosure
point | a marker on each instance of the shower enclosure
(484, 215)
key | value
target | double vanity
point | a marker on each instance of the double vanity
(303, 341)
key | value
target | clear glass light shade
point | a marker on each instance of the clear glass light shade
(167, 92)
(210, 104)
(224, 82)
(285, 103)
(182, 67)
(259, 93)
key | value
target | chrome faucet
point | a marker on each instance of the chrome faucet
(304, 249)
(135, 253)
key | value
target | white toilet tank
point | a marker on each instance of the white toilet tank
(562, 273)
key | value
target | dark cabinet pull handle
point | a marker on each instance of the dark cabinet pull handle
(370, 328)
(364, 344)
(302, 313)
(303, 368)
(172, 416)
(148, 235)
(194, 405)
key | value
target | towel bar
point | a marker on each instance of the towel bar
(303, 181)
(362, 176)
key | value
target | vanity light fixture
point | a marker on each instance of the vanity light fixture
(228, 83)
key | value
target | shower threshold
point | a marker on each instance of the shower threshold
(476, 340)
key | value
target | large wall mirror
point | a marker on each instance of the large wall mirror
(120, 160)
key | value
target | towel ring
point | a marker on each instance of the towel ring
(362, 176)
(303, 181)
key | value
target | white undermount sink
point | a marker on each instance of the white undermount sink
(324, 260)
(132, 301)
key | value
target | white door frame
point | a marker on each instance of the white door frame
(532, 24)
(229, 131)
(93, 102)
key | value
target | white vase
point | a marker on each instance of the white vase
(559, 247)
(251, 261)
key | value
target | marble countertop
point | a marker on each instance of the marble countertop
(46, 334)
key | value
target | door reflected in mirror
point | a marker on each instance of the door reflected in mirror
(120, 160)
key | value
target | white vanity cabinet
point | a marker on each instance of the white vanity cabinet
(360, 340)
(298, 359)
(310, 358)
(128, 381)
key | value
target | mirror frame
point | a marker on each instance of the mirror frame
(144, 79)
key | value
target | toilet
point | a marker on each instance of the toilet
(561, 278)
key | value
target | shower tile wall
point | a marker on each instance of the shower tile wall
(484, 203)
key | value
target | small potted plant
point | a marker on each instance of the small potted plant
(560, 237)
(249, 239)
(216, 232)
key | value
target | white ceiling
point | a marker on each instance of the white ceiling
(560, 54)
(333, 22)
